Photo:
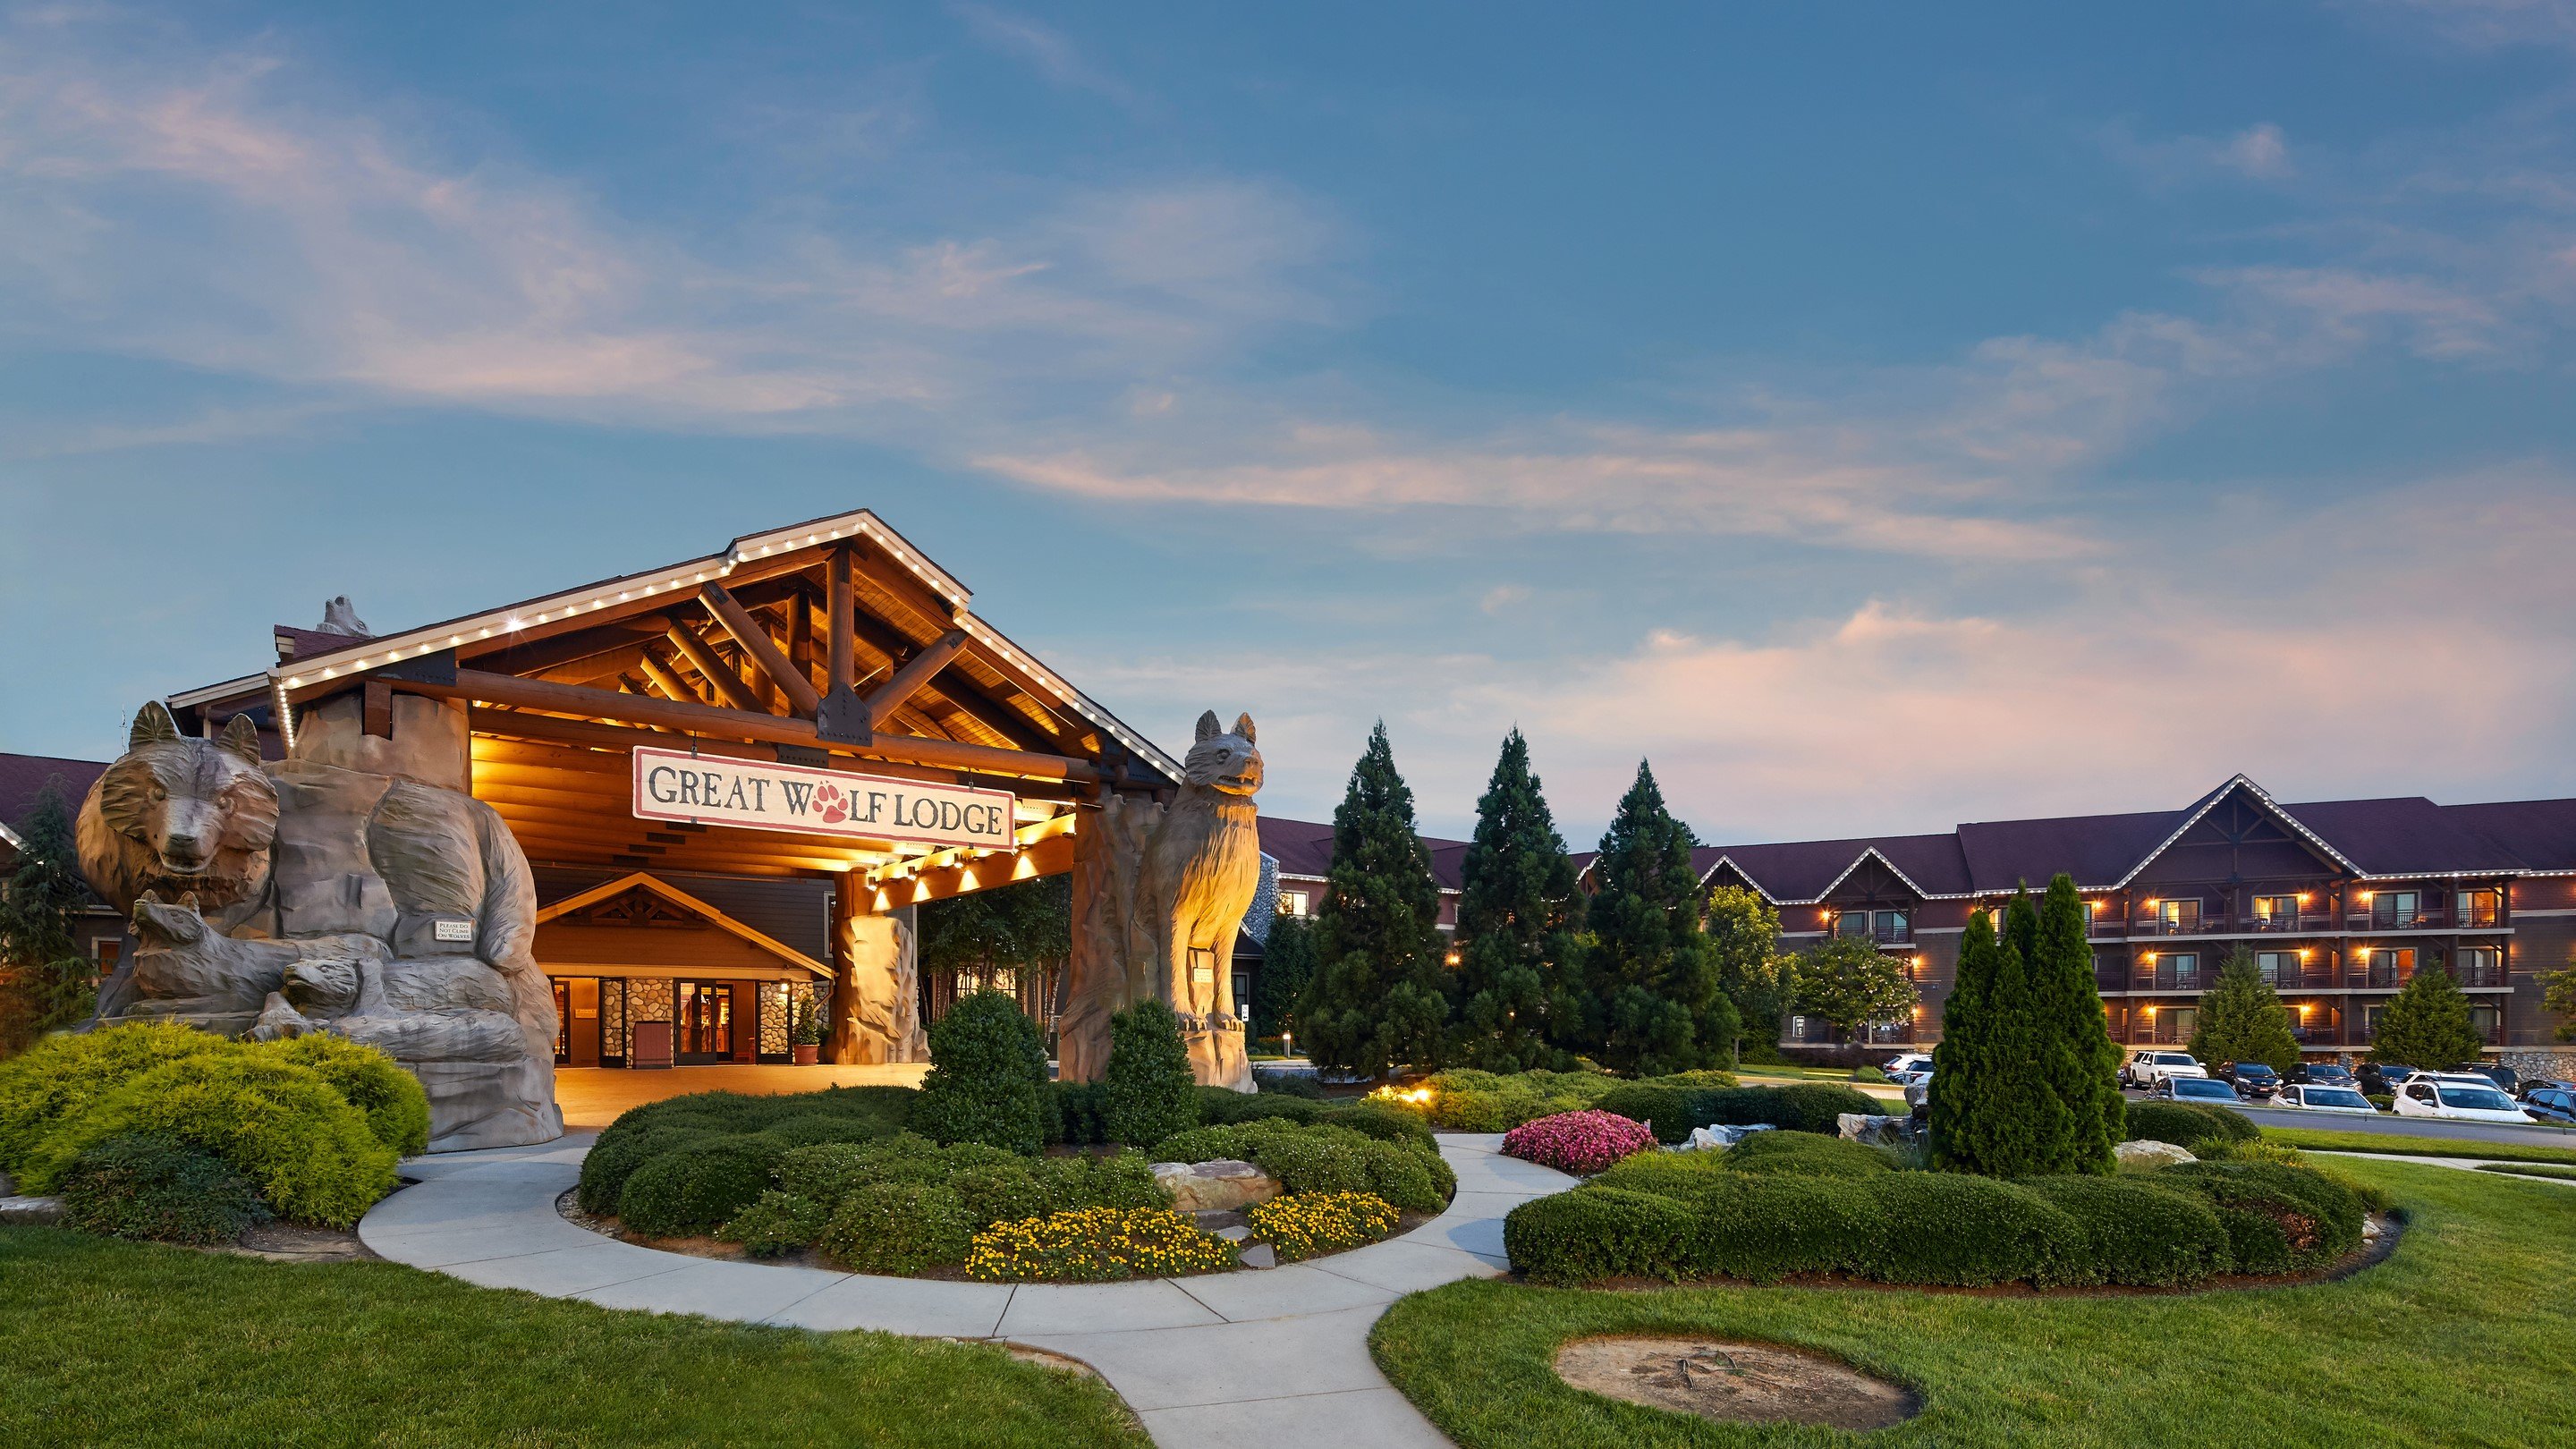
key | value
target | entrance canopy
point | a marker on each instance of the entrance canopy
(827, 646)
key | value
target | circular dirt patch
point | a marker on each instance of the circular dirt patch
(1742, 1383)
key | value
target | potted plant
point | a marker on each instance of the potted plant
(805, 1040)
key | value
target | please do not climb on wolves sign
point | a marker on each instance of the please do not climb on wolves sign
(747, 794)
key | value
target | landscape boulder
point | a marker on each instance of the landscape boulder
(1225, 1185)
(1705, 1139)
(1879, 1131)
(2139, 1156)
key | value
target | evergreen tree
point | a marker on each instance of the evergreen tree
(2241, 1019)
(2558, 994)
(2083, 1063)
(52, 984)
(1960, 1078)
(2427, 1024)
(1379, 997)
(1746, 932)
(1148, 1092)
(1649, 1002)
(1287, 964)
(1517, 915)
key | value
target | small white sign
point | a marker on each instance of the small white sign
(455, 931)
(714, 790)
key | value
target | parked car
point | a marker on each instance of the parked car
(2178, 1088)
(2459, 1098)
(2529, 1085)
(1898, 1067)
(2146, 1068)
(2552, 1104)
(2380, 1079)
(2496, 1072)
(2254, 1080)
(2322, 1074)
(2317, 1097)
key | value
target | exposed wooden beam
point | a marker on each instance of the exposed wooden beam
(714, 670)
(588, 704)
(915, 673)
(840, 617)
(667, 681)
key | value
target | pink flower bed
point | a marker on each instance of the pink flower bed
(1580, 1142)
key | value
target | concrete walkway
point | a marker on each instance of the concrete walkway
(1201, 1360)
(2465, 1164)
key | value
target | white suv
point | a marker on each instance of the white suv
(2458, 1098)
(1903, 1070)
(2146, 1068)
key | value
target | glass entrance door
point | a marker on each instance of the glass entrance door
(563, 1022)
(706, 1022)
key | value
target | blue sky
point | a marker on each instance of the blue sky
(1880, 417)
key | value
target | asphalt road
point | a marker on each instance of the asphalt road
(2395, 1126)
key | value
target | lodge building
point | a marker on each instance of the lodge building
(2340, 901)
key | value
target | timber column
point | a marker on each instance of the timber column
(876, 981)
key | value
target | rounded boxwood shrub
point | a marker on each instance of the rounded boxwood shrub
(1385, 1123)
(281, 1125)
(776, 1225)
(1600, 1232)
(62, 1075)
(1121, 1180)
(2188, 1124)
(157, 1188)
(396, 1108)
(898, 1227)
(1148, 1090)
(808, 1130)
(987, 1080)
(675, 1194)
(2279, 1219)
(995, 1194)
(1219, 1107)
(2136, 1232)
(618, 1153)
(1769, 1227)
(1953, 1229)
(1804, 1154)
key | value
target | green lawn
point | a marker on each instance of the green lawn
(2463, 1338)
(2321, 1139)
(104, 1342)
(2529, 1169)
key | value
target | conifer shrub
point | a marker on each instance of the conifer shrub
(777, 1224)
(281, 1125)
(987, 1080)
(157, 1188)
(62, 1075)
(699, 1190)
(1149, 1092)
(2279, 1219)
(2188, 1125)
(396, 1108)
(899, 1228)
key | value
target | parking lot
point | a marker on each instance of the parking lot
(2399, 1126)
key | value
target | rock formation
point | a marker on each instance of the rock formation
(301, 895)
(1159, 892)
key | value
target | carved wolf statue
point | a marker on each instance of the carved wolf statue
(276, 899)
(1159, 894)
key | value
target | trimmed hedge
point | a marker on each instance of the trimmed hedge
(2188, 1124)
(699, 1190)
(682, 1124)
(1322, 1158)
(1683, 1216)
(1804, 1154)
(988, 1075)
(1223, 1107)
(1672, 1106)
(898, 1227)
(158, 1189)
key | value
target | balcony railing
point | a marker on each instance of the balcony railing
(1883, 935)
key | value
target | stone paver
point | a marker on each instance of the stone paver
(1198, 1358)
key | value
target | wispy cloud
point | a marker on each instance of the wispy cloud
(1045, 50)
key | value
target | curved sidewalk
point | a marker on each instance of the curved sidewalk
(1197, 1358)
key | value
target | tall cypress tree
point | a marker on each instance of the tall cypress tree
(1379, 995)
(1650, 1001)
(1518, 911)
(2081, 1060)
(1960, 1079)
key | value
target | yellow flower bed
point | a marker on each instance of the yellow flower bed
(1094, 1245)
(1303, 1224)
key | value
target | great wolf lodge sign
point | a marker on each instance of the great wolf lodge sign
(676, 785)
